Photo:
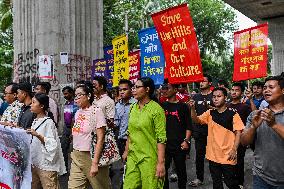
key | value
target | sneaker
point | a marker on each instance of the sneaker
(241, 186)
(195, 183)
(173, 177)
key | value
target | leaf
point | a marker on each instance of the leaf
(6, 21)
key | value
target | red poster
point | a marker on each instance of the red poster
(178, 39)
(250, 53)
(134, 66)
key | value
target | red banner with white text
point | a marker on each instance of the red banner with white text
(178, 39)
(250, 53)
(134, 66)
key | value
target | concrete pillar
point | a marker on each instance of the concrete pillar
(44, 27)
(276, 35)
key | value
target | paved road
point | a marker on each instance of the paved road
(207, 179)
(116, 181)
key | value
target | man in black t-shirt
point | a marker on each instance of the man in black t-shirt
(203, 102)
(178, 127)
(24, 96)
(243, 110)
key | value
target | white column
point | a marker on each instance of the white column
(276, 35)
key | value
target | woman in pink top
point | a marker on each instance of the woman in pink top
(84, 170)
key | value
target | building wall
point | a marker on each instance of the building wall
(48, 27)
(276, 36)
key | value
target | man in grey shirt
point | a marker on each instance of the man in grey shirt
(266, 128)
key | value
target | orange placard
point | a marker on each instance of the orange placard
(178, 39)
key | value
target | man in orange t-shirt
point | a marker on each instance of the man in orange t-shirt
(224, 130)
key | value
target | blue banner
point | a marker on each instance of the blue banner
(108, 56)
(152, 55)
(99, 68)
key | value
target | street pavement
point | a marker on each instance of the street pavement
(117, 173)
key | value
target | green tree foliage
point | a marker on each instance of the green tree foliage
(6, 17)
(6, 42)
(115, 12)
(6, 57)
(219, 67)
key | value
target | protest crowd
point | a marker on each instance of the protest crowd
(151, 128)
(148, 124)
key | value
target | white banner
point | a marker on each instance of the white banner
(15, 158)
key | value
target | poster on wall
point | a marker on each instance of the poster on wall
(64, 57)
(15, 158)
(45, 67)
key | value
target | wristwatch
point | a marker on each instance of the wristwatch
(187, 140)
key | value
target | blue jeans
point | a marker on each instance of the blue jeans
(259, 183)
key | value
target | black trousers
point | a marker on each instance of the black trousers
(200, 151)
(218, 171)
(179, 161)
(240, 164)
(65, 144)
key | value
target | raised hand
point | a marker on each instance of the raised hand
(248, 93)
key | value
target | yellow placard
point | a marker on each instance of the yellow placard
(121, 63)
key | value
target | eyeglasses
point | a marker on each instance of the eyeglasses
(136, 87)
(79, 95)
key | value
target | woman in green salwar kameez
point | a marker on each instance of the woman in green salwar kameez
(145, 148)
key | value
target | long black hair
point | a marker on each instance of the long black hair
(148, 82)
(43, 99)
(87, 87)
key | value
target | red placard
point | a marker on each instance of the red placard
(134, 66)
(250, 53)
(178, 39)
(4, 186)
